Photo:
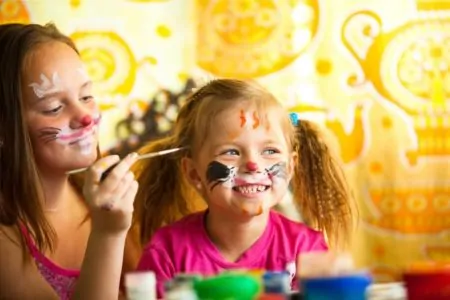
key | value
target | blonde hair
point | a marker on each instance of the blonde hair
(165, 196)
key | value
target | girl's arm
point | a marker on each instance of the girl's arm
(111, 207)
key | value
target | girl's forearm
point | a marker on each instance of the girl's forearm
(102, 267)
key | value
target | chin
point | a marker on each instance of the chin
(80, 160)
(253, 209)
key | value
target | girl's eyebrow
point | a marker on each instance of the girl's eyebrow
(49, 96)
(57, 93)
(270, 141)
(87, 83)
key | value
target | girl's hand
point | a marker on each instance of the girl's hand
(111, 201)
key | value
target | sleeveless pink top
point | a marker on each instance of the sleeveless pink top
(61, 280)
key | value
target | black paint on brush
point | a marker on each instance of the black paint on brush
(107, 171)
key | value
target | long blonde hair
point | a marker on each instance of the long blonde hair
(319, 188)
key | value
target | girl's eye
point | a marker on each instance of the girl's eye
(230, 152)
(270, 151)
(52, 111)
(87, 98)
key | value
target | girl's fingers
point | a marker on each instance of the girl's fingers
(115, 177)
(94, 173)
(128, 198)
(124, 185)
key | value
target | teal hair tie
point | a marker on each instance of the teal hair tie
(294, 118)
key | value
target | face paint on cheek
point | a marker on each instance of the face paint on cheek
(218, 173)
(48, 134)
(83, 138)
(277, 171)
(47, 85)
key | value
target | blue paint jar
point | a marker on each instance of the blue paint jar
(344, 287)
(276, 282)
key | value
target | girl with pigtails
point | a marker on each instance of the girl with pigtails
(209, 208)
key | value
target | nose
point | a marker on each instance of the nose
(251, 161)
(251, 166)
(86, 120)
(82, 117)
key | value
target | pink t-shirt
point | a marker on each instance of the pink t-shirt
(184, 247)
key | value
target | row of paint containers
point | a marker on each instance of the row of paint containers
(424, 281)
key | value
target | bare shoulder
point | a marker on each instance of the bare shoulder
(19, 278)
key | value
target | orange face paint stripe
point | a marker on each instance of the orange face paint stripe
(256, 120)
(243, 118)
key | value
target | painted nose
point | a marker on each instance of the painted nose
(252, 166)
(86, 120)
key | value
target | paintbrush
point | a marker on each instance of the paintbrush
(143, 156)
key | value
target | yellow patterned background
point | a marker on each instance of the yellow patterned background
(374, 73)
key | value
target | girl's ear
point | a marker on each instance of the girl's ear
(293, 160)
(191, 172)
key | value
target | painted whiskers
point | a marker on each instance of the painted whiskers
(49, 134)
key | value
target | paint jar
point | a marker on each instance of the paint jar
(140, 286)
(180, 291)
(277, 282)
(428, 281)
(181, 287)
(387, 291)
(342, 287)
(187, 278)
(228, 286)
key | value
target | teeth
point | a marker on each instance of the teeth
(250, 189)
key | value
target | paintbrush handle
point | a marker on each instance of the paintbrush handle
(143, 156)
(107, 171)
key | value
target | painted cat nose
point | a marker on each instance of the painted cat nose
(252, 166)
(86, 120)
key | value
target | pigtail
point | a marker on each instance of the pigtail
(164, 194)
(319, 187)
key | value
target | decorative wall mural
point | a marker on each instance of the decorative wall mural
(251, 38)
(407, 70)
(108, 59)
(410, 67)
(155, 121)
(411, 209)
(439, 252)
(390, 118)
(351, 142)
(13, 11)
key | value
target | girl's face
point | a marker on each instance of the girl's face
(60, 110)
(244, 166)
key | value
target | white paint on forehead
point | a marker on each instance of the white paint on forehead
(47, 85)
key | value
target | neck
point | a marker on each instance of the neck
(56, 189)
(234, 236)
